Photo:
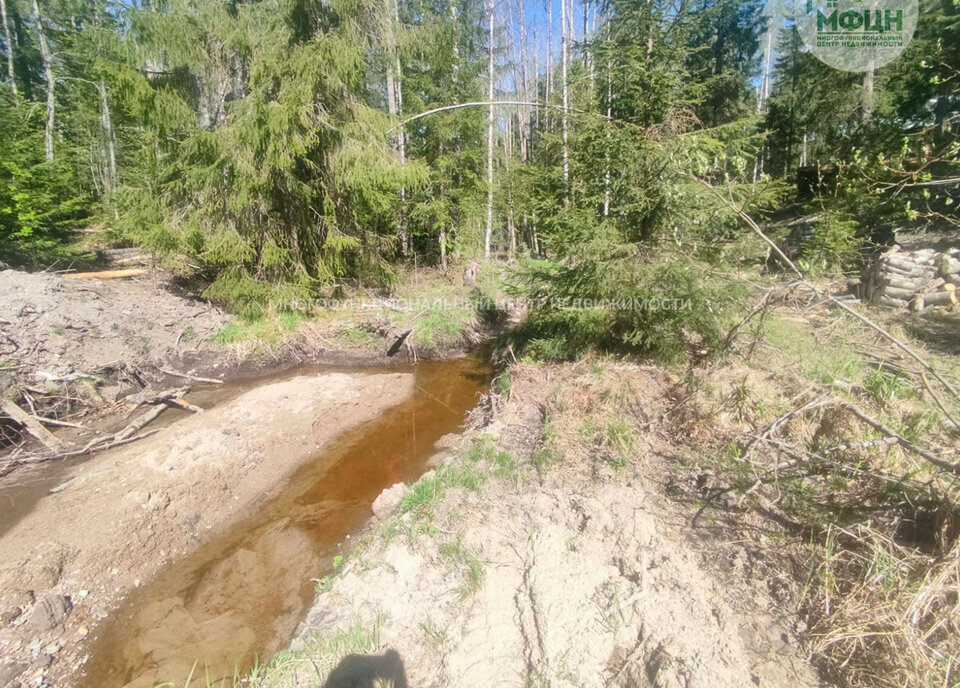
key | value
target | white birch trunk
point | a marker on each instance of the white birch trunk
(47, 58)
(606, 171)
(107, 125)
(489, 233)
(7, 37)
(564, 59)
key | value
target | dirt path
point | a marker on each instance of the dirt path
(121, 516)
(514, 564)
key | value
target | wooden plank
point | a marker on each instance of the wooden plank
(107, 274)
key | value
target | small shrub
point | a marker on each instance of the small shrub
(832, 247)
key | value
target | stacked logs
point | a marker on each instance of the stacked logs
(917, 280)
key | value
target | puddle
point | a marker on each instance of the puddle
(241, 596)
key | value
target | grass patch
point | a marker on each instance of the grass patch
(469, 564)
(261, 332)
(619, 438)
(442, 326)
(483, 449)
(427, 492)
(819, 360)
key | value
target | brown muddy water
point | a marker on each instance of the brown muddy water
(241, 597)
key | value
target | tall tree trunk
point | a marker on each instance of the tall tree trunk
(606, 171)
(765, 81)
(7, 37)
(402, 139)
(47, 58)
(867, 98)
(586, 28)
(107, 126)
(564, 58)
(395, 107)
(443, 246)
(489, 233)
(535, 240)
(535, 130)
(548, 59)
(524, 86)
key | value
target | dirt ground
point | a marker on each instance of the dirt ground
(119, 517)
(559, 571)
(64, 326)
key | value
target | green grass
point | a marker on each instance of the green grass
(442, 327)
(231, 333)
(619, 437)
(819, 360)
(883, 386)
(483, 449)
(314, 658)
(468, 562)
(358, 336)
(263, 330)
(427, 492)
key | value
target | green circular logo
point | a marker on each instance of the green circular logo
(856, 35)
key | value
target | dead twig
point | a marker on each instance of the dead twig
(936, 400)
(782, 420)
(186, 376)
(902, 441)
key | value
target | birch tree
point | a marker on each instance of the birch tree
(51, 83)
(565, 28)
(8, 40)
(489, 230)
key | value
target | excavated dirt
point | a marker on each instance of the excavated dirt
(63, 326)
(120, 517)
(589, 574)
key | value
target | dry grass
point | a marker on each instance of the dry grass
(873, 527)
(866, 530)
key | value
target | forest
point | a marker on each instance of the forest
(284, 148)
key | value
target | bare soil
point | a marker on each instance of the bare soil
(62, 326)
(120, 517)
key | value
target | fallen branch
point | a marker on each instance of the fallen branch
(59, 423)
(819, 402)
(72, 377)
(32, 425)
(901, 440)
(936, 400)
(195, 378)
(16, 461)
(184, 405)
(135, 426)
(145, 398)
(846, 446)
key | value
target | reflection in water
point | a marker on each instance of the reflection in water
(242, 596)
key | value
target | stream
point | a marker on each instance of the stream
(241, 596)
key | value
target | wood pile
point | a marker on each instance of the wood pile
(917, 280)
